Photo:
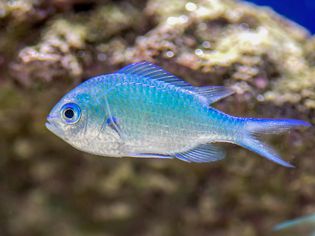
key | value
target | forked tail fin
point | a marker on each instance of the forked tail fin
(254, 127)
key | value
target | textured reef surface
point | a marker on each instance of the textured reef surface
(49, 188)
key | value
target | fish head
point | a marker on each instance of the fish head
(71, 118)
(81, 119)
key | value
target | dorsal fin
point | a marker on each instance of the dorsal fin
(213, 93)
(207, 94)
(149, 70)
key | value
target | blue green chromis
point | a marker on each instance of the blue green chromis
(304, 226)
(144, 111)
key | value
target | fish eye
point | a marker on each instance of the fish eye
(71, 113)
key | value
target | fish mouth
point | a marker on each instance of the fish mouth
(49, 126)
(53, 128)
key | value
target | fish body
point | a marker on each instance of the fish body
(304, 225)
(159, 118)
(144, 111)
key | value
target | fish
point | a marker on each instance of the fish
(144, 111)
(304, 225)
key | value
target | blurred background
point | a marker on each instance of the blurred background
(48, 47)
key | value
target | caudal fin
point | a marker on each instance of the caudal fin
(254, 127)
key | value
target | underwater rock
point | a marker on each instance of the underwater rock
(218, 42)
(68, 46)
(55, 57)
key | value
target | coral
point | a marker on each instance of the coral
(66, 45)
(55, 56)
(225, 39)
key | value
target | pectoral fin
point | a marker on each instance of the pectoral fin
(113, 123)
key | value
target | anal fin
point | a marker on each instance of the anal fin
(202, 153)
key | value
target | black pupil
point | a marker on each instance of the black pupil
(69, 113)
